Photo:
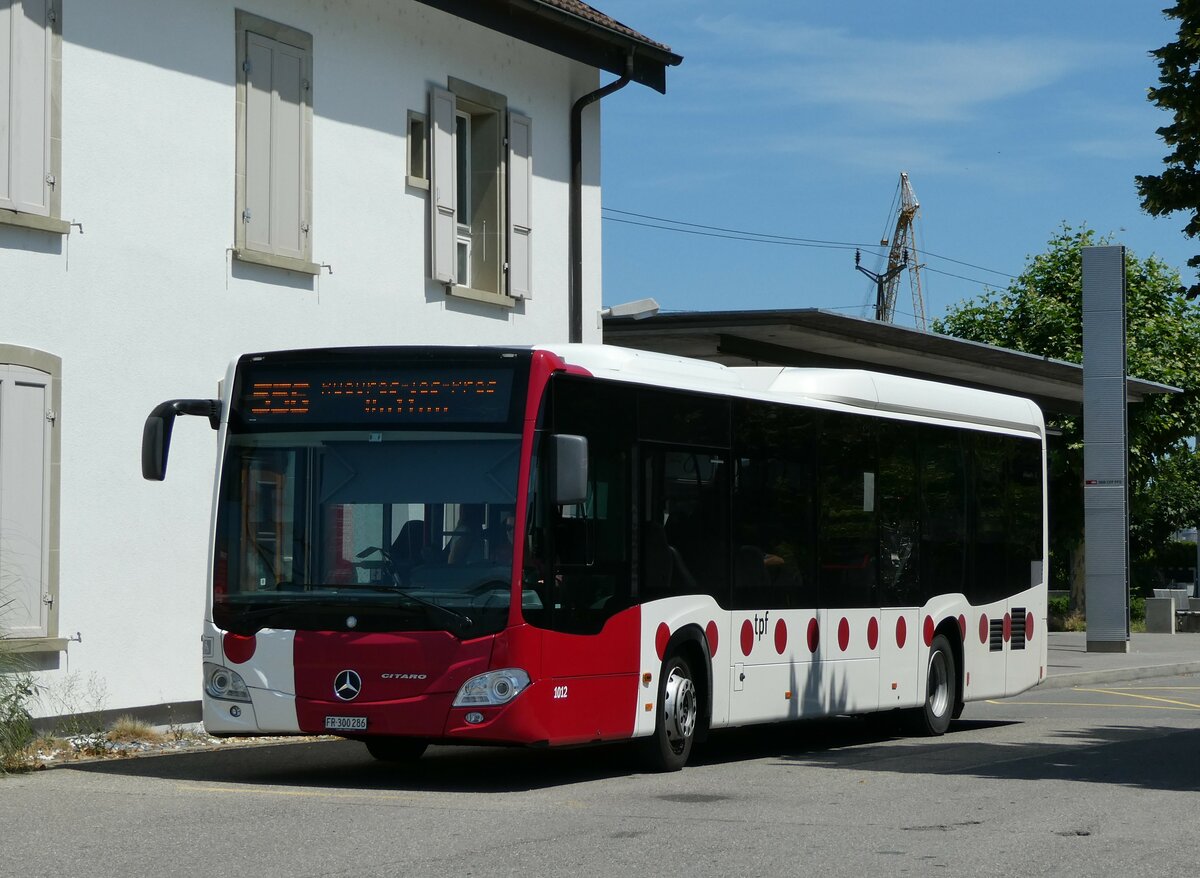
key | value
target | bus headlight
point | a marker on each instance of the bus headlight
(492, 689)
(225, 684)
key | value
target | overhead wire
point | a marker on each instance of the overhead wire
(710, 231)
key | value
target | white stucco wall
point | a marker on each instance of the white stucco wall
(145, 304)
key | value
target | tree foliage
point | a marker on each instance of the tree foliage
(1041, 313)
(1177, 188)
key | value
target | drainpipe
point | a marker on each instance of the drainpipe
(575, 220)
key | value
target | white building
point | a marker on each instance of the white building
(184, 181)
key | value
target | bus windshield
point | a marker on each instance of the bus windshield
(369, 530)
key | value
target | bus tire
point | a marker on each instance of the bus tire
(675, 723)
(396, 749)
(941, 696)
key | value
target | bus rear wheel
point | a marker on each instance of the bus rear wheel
(941, 690)
(670, 746)
(396, 749)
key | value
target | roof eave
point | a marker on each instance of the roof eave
(571, 36)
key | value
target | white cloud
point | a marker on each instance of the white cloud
(917, 80)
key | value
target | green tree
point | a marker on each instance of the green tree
(1177, 188)
(1041, 312)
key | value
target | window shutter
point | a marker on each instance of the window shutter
(442, 222)
(275, 147)
(520, 203)
(24, 500)
(25, 106)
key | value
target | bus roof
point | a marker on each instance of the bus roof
(825, 388)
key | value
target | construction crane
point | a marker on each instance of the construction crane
(902, 254)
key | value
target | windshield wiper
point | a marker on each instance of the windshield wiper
(462, 618)
(251, 621)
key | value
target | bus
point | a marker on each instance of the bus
(571, 544)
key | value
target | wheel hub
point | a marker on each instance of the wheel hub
(680, 709)
(939, 684)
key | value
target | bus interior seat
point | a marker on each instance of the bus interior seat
(406, 548)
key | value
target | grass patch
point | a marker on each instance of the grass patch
(127, 730)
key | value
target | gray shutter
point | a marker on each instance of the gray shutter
(275, 147)
(24, 499)
(25, 106)
(257, 216)
(443, 228)
(520, 206)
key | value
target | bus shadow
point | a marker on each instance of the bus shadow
(344, 764)
(1142, 757)
(341, 764)
(835, 738)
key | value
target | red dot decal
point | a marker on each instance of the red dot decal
(1029, 626)
(901, 632)
(814, 635)
(843, 634)
(780, 636)
(661, 636)
(238, 647)
(983, 628)
(1007, 627)
(872, 633)
(928, 630)
(710, 631)
(962, 626)
(747, 637)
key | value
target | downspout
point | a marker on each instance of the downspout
(575, 220)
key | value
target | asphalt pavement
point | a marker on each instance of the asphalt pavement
(1149, 655)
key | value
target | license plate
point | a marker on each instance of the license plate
(345, 723)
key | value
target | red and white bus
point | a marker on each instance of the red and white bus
(570, 544)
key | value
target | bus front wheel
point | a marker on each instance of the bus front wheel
(670, 746)
(941, 690)
(396, 749)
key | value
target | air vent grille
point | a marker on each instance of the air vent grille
(1017, 640)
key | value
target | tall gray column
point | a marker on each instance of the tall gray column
(1105, 450)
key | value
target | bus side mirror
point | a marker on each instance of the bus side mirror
(570, 470)
(156, 434)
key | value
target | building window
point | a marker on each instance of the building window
(481, 179)
(30, 396)
(273, 216)
(30, 114)
(418, 151)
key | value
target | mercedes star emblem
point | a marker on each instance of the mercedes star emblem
(347, 685)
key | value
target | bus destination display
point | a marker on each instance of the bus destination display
(352, 396)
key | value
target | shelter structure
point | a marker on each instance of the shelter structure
(814, 337)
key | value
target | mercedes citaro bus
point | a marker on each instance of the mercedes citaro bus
(566, 544)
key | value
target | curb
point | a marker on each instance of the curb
(1118, 675)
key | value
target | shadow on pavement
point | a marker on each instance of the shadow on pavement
(346, 764)
(1144, 757)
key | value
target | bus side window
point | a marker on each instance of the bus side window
(579, 557)
(773, 507)
(899, 512)
(943, 511)
(848, 541)
(685, 523)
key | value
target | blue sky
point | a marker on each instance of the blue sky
(795, 119)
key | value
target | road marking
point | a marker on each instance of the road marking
(1135, 695)
(311, 794)
(1010, 703)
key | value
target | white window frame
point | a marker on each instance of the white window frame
(268, 245)
(463, 169)
(496, 246)
(31, 101)
(21, 364)
(418, 151)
